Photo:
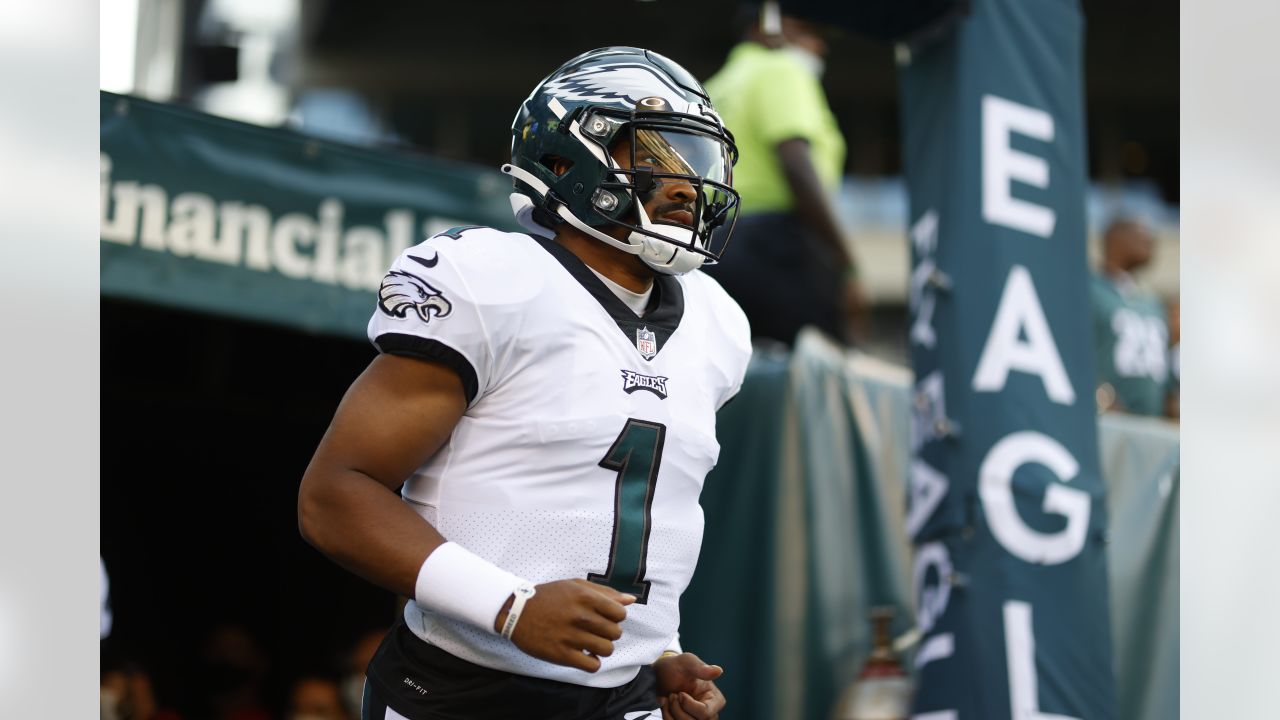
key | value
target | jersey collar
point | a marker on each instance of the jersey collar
(666, 305)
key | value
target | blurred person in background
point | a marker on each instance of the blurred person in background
(1131, 332)
(790, 266)
(546, 405)
(355, 664)
(314, 697)
(233, 669)
(126, 692)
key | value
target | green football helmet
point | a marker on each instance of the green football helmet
(579, 114)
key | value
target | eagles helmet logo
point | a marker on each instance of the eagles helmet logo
(624, 84)
(402, 292)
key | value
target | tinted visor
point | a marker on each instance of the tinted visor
(665, 151)
(678, 153)
(700, 160)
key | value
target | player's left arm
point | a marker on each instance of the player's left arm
(686, 689)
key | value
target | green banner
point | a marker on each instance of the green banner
(1007, 508)
(267, 224)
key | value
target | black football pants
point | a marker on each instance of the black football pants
(418, 681)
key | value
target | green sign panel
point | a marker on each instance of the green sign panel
(267, 224)
(1007, 509)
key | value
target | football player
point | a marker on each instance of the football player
(548, 401)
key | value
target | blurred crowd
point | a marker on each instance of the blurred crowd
(235, 679)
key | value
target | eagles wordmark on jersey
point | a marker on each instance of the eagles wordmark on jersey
(588, 432)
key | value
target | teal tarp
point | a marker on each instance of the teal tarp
(803, 537)
(805, 534)
(1140, 465)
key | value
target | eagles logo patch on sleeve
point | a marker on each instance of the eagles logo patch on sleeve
(401, 292)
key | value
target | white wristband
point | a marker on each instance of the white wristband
(674, 645)
(458, 583)
(523, 593)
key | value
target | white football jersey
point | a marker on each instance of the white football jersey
(588, 431)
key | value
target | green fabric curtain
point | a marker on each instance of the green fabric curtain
(805, 534)
(1140, 466)
(802, 538)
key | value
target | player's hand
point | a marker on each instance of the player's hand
(685, 688)
(570, 622)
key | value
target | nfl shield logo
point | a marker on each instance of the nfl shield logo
(646, 343)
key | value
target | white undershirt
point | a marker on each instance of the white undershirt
(636, 301)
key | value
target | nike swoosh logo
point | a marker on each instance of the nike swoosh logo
(426, 263)
(643, 715)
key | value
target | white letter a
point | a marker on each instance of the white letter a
(1020, 313)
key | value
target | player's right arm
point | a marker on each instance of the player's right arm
(395, 416)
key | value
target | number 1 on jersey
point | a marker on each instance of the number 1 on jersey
(636, 456)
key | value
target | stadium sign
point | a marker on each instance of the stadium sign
(313, 246)
(266, 224)
(1006, 506)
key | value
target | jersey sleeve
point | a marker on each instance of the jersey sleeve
(427, 310)
(733, 347)
(739, 353)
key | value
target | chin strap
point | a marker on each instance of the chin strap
(679, 261)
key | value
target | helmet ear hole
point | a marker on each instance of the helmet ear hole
(556, 164)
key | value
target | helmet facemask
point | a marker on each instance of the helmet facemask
(662, 148)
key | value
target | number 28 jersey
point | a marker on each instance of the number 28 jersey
(588, 431)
